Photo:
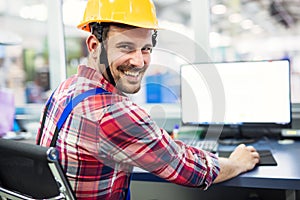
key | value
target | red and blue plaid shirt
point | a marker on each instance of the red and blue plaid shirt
(106, 135)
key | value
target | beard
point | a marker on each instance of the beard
(128, 78)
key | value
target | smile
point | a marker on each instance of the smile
(130, 73)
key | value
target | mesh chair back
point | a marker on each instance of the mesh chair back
(26, 169)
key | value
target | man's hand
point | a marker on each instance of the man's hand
(242, 159)
(246, 156)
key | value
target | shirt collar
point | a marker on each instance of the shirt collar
(97, 77)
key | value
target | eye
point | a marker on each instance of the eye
(125, 48)
(147, 49)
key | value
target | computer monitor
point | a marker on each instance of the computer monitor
(236, 94)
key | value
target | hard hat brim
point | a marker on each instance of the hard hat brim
(85, 25)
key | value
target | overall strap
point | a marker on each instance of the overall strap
(66, 112)
(127, 194)
(68, 109)
(43, 119)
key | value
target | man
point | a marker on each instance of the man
(106, 134)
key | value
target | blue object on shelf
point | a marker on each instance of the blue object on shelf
(159, 89)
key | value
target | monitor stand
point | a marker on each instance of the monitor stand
(236, 138)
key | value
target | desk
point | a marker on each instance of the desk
(285, 176)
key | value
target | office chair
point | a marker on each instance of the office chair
(29, 171)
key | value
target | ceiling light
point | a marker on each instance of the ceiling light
(256, 29)
(246, 24)
(36, 12)
(219, 9)
(235, 18)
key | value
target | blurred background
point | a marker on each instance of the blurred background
(47, 47)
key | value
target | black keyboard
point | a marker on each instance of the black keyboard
(207, 145)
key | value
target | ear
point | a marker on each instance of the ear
(92, 43)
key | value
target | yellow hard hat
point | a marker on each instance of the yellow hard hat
(139, 13)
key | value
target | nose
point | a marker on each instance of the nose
(137, 58)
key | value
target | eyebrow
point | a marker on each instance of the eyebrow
(132, 44)
(124, 43)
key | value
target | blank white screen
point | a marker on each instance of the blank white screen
(253, 92)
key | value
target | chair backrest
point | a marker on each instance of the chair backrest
(29, 171)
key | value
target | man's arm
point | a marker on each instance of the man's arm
(242, 159)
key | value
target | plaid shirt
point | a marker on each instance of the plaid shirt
(106, 135)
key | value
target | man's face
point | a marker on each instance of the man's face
(128, 53)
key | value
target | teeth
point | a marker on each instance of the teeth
(129, 73)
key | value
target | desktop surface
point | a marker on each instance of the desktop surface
(285, 175)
